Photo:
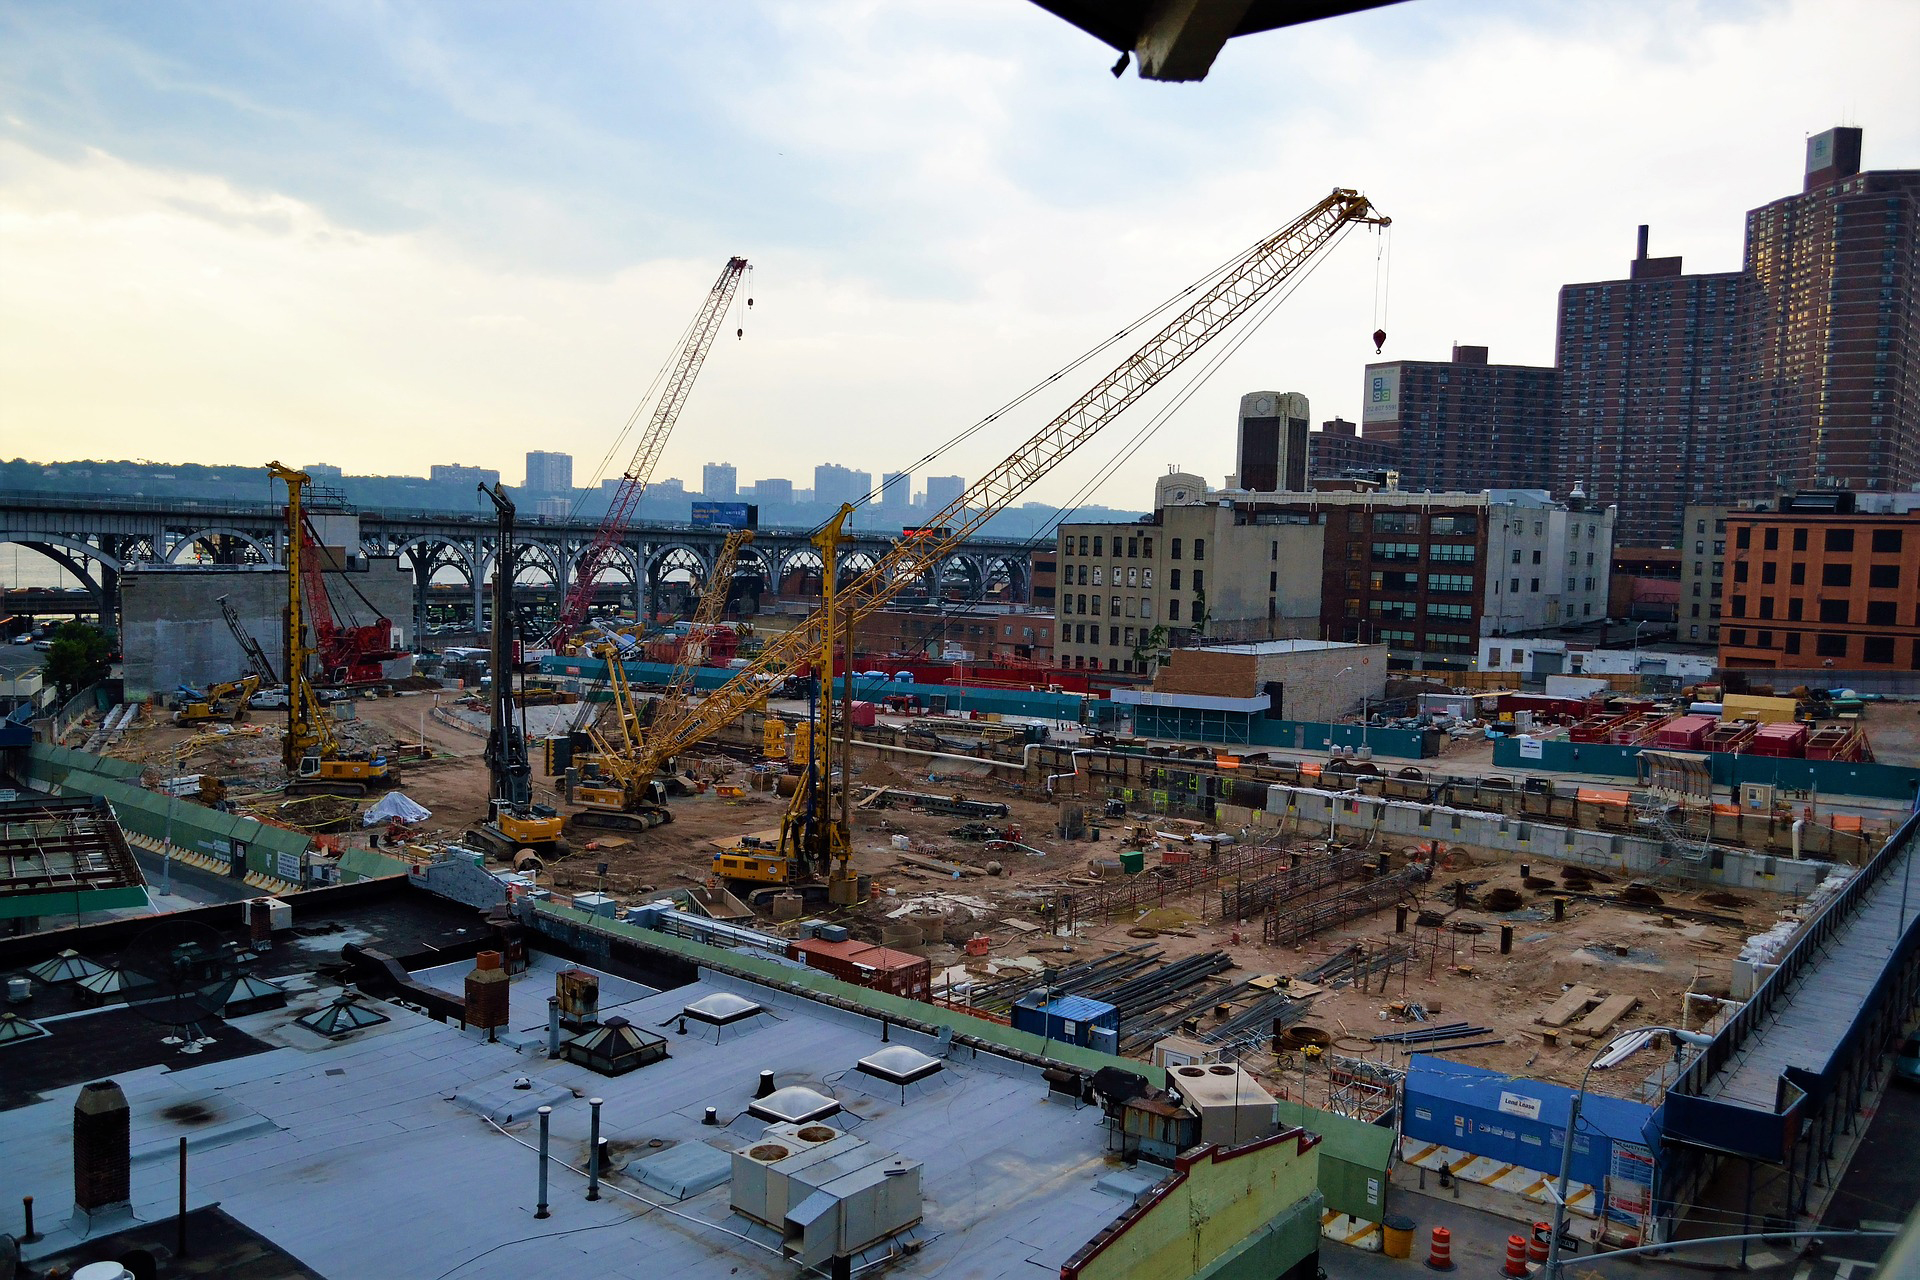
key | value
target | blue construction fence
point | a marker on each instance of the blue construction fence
(1828, 777)
(988, 700)
(1254, 729)
(1524, 1122)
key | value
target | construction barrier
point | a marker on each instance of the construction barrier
(1440, 1251)
(1516, 1257)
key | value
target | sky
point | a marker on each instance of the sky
(387, 235)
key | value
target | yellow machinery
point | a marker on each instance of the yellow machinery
(812, 854)
(220, 702)
(621, 782)
(1203, 313)
(315, 760)
(514, 821)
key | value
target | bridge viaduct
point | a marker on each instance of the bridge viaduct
(97, 539)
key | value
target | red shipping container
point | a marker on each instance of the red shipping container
(1785, 741)
(1686, 733)
(899, 973)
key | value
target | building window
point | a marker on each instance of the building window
(1793, 642)
(1516, 555)
(1828, 645)
(1454, 584)
(1693, 632)
(1399, 522)
(1533, 584)
(1273, 552)
(1096, 545)
(1173, 611)
(1146, 577)
(1133, 548)
(1797, 575)
(1173, 579)
(1536, 557)
(1113, 610)
(1883, 575)
(1794, 607)
(1836, 575)
(1096, 606)
(1740, 571)
(1736, 636)
(1799, 539)
(1273, 582)
(1132, 637)
(1133, 576)
(1173, 549)
(1770, 540)
(1833, 611)
(1876, 649)
(1769, 572)
(1199, 580)
(1766, 606)
(1146, 549)
(1113, 638)
(1130, 603)
(1459, 612)
(1199, 548)
(1098, 579)
(1513, 586)
(1146, 607)
(1839, 540)
(1886, 542)
(1453, 553)
(1083, 544)
(1764, 640)
(1882, 613)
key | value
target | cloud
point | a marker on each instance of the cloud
(391, 236)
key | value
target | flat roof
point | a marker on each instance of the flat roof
(1278, 646)
(64, 856)
(409, 1141)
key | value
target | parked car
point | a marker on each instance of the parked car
(269, 700)
(1906, 1063)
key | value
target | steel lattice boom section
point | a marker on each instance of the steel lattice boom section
(1237, 289)
(653, 441)
(693, 653)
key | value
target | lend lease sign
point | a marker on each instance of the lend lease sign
(1517, 1104)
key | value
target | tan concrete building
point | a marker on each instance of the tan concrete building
(1301, 679)
(1194, 569)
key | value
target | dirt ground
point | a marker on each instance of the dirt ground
(1652, 954)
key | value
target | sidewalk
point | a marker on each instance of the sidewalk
(1480, 1249)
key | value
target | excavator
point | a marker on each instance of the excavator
(513, 822)
(226, 701)
(315, 759)
(1199, 314)
(622, 784)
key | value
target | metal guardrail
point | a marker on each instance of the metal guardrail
(1804, 951)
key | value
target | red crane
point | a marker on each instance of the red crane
(692, 352)
(351, 652)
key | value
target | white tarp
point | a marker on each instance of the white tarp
(394, 807)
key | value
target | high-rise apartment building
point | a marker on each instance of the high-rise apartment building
(1463, 425)
(1649, 371)
(1832, 395)
(773, 491)
(944, 491)
(549, 472)
(1272, 442)
(1338, 449)
(896, 490)
(833, 483)
(453, 473)
(719, 482)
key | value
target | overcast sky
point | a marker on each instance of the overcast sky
(388, 235)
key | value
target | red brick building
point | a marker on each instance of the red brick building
(1813, 589)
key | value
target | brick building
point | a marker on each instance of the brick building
(1823, 584)
(981, 632)
(1464, 425)
(1338, 449)
(1833, 393)
(1648, 377)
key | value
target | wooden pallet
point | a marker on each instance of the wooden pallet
(1576, 1001)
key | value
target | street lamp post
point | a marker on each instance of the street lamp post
(1618, 1049)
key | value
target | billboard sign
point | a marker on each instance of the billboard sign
(1382, 400)
(726, 515)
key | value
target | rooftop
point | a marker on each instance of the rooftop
(412, 1140)
(60, 857)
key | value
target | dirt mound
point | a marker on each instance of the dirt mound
(1718, 899)
(1502, 900)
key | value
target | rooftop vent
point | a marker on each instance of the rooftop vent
(614, 1048)
(346, 1014)
(68, 966)
(14, 1029)
(795, 1104)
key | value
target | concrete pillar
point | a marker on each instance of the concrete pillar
(422, 581)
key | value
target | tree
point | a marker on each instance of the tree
(78, 657)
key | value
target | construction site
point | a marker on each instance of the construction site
(1332, 925)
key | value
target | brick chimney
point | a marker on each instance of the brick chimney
(486, 994)
(102, 1148)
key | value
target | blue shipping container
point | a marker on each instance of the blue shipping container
(1069, 1019)
(726, 515)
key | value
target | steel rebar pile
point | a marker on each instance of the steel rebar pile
(1131, 894)
(1424, 1035)
(1250, 899)
(1296, 925)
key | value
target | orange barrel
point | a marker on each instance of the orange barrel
(1537, 1247)
(1440, 1253)
(1516, 1256)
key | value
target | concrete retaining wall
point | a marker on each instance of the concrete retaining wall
(1322, 812)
